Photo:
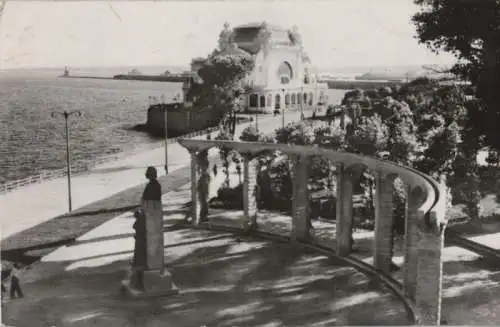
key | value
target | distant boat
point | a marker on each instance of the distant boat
(66, 72)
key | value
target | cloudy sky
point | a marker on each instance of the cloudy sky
(336, 33)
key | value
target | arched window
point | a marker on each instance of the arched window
(277, 101)
(293, 98)
(262, 101)
(311, 98)
(299, 98)
(305, 98)
(285, 73)
(253, 100)
(269, 100)
(287, 99)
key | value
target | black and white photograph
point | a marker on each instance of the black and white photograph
(209, 163)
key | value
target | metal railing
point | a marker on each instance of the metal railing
(80, 168)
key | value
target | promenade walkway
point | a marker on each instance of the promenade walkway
(227, 281)
(37, 203)
(223, 281)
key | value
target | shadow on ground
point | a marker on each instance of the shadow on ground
(223, 282)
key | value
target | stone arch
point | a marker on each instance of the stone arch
(305, 97)
(287, 99)
(293, 98)
(269, 100)
(285, 72)
(254, 98)
(311, 98)
(299, 98)
(262, 102)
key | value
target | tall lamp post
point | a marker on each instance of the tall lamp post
(256, 121)
(301, 103)
(165, 118)
(283, 110)
(66, 115)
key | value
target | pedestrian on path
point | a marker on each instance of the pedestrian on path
(15, 286)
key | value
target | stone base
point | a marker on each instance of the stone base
(155, 284)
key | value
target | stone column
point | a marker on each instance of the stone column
(300, 219)
(415, 199)
(153, 279)
(203, 185)
(250, 209)
(382, 252)
(344, 210)
(195, 216)
(154, 234)
(429, 277)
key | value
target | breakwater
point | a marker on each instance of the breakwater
(360, 84)
(144, 78)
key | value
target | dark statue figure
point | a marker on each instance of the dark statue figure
(152, 191)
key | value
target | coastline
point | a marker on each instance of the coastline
(123, 77)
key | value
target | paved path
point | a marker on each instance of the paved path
(223, 281)
(37, 203)
(227, 282)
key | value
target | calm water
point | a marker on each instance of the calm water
(33, 141)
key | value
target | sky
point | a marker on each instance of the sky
(335, 33)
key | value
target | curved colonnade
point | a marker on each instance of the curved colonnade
(425, 213)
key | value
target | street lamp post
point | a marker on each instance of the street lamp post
(302, 103)
(256, 121)
(165, 115)
(283, 110)
(66, 115)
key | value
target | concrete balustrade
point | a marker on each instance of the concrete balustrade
(425, 212)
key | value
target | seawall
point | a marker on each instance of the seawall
(360, 84)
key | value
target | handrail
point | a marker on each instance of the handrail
(432, 188)
(80, 168)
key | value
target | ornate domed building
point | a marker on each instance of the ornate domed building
(283, 77)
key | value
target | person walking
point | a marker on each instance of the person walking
(15, 286)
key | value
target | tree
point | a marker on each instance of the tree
(221, 81)
(471, 31)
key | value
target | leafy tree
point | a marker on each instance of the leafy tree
(221, 84)
(250, 134)
(471, 31)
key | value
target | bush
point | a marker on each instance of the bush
(229, 198)
(250, 134)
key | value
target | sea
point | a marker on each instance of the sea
(33, 140)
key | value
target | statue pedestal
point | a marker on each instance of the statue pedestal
(155, 284)
(153, 279)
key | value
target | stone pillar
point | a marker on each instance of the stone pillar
(203, 185)
(382, 252)
(250, 209)
(344, 210)
(429, 277)
(300, 219)
(415, 199)
(153, 211)
(195, 216)
(154, 279)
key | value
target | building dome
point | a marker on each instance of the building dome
(248, 36)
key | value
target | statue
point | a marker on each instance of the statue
(295, 36)
(225, 37)
(148, 276)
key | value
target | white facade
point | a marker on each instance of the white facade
(283, 77)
